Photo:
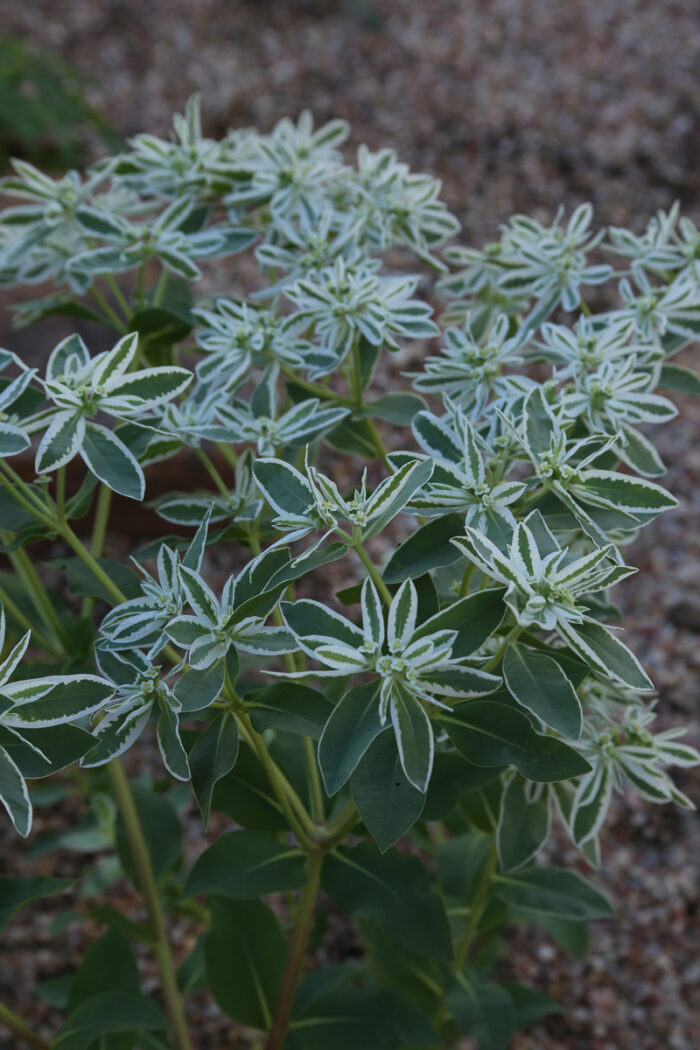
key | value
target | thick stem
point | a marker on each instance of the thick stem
(213, 473)
(293, 808)
(314, 779)
(477, 910)
(510, 637)
(14, 610)
(378, 581)
(340, 826)
(61, 493)
(144, 871)
(160, 287)
(228, 453)
(23, 566)
(295, 954)
(20, 1029)
(99, 531)
(110, 319)
(117, 293)
(92, 564)
(316, 389)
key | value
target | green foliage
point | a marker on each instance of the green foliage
(401, 743)
(43, 107)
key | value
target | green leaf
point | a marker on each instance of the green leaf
(196, 689)
(16, 892)
(523, 824)
(603, 651)
(539, 684)
(212, 756)
(553, 891)
(394, 408)
(414, 737)
(676, 377)
(83, 582)
(489, 733)
(110, 460)
(394, 891)
(160, 324)
(351, 728)
(429, 547)
(392, 495)
(474, 618)
(348, 1019)
(108, 965)
(247, 864)
(286, 490)
(607, 488)
(161, 829)
(245, 952)
(354, 437)
(61, 746)
(54, 700)
(387, 801)
(640, 454)
(245, 795)
(452, 777)
(14, 795)
(105, 1014)
(483, 1011)
(461, 862)
(530, 1004)
(569, 934)
(290, 706)
(419, 977)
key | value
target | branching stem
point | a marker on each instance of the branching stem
(295, 953)
(144, 871)
(18, 1028)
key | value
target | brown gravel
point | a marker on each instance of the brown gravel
(518, 105)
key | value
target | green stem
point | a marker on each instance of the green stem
(316, 389)
(24, 567)
(477, 910)
(88, 559)
(99, 531)
(160, 287)
(295, 953)
(228, 453)
(14, 610)
(510, 637)
(20, 1029)
(111, 319)
(25, 495)
(378, 444)
(213, 473)
(315, 790)
(356, 376)
(340, 826)
(118, 295)
(466, 580)
(293, 808)
(61, 493)
(144, 871)
(140, 285)
(378, 581)
(99, 528)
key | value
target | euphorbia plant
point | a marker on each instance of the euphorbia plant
(395, 748)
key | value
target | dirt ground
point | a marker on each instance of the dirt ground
(518, 105)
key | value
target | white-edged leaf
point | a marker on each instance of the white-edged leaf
(110, 460)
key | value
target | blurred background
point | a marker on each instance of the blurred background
(517, 105)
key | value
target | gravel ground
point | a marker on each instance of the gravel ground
(518, 105)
